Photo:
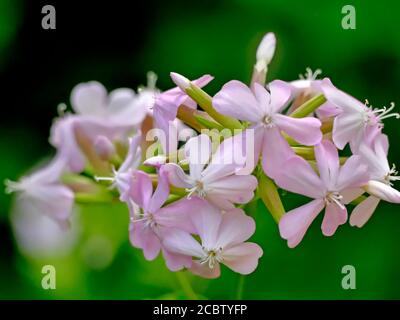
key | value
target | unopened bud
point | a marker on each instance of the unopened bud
(265, 51)
(104, 148)
(181, 81)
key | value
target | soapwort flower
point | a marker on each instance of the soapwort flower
(213, 175)
(42, 192)
(222, 238)
(332, 189)
(382, 176)
(263, 109)
(150, 222)
(357, 122)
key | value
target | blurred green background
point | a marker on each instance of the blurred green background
(117, 44)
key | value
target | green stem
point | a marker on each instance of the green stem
(270, 196)
(205, 101)
(308, 107)
(186, 286)
(240, 288)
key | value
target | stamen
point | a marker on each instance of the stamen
(198, 189)
(392, 175)
(310, 75)
(213, 256)
(12, 186)
(334, 197)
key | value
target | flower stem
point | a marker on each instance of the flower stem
(205, 101)
(240, 287)
(186, 286)
(270, 196)
(308, 107)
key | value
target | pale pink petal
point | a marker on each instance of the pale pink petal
(294, 224)
(237, 100)
(347, 127)
(207, 220)
(178, 214)
(383, 191)
(263, 97)
(339, 98)
(203, 80)
(181, 242)
(327, 158)
(161, 193)
(234, 229)
(203, 270)
(363, 211)
(275, 151)
(334, 217)
(281, 93)
(351, 194)
(53, 200)
(198, 151)
(238, 189)
(220, 202)
(327, 110)
(176, 176)
(243, 258)
(89, 98)
(176, 262)
(141, 189)
(298, 176)
(230, 157)
(352, 174)
(304, 130)
(145, 238)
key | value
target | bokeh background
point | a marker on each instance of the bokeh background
(117, 44)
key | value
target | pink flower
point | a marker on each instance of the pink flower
(117, 109)
(380, 185)
(357, 122)
(42, 193)
(263, 109)
(150, 223)
(334, 187)
(213, 175)
(113, 116)
(222, 241)
(121, 179)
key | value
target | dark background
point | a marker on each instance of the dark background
(116, 44)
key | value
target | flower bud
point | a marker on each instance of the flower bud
(181, 81)
(104, 148)
(265, 51)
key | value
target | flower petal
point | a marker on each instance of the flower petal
(203, 270)
(176, 176)
(304, 130)
(89, 98)
(161, 193)
(243, 258)
(297, 176)
(234, 229)
(281, 93)
(327, 158)
(141, 189)
(334, 217)
(363, 211)
(275, 151)
(237, 100)
(383, 191)
(352, 174)
(294, 224)
(181, 242)
(198, 151)
(144, 238)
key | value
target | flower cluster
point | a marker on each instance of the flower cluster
(187, 164)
